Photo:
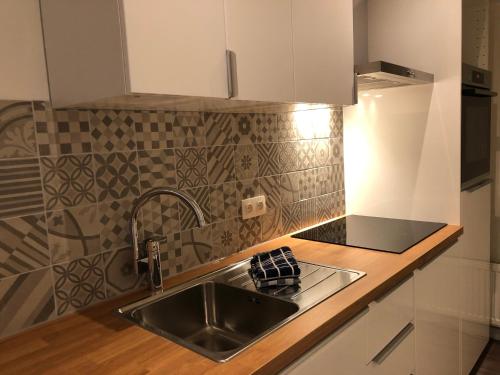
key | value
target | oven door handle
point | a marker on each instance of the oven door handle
(478, 92)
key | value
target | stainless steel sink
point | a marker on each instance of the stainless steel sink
(222, 313)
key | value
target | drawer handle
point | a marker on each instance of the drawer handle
(230, 61)
(393, 288)
(393, 344)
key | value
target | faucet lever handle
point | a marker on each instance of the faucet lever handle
(154, 263)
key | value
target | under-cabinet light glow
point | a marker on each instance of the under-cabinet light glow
(312, 123)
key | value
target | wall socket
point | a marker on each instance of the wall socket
(252, 207)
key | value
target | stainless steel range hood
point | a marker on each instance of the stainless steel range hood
(381, 75)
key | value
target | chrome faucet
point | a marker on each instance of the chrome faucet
(148, 260)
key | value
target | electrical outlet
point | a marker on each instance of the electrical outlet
(252, 207)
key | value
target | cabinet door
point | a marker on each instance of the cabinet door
(22, 67)
(475, 301)
(388, 317)
(323, 51)
(259, 33)
(437, 315)
(399, 361)
(176, 47)
(342, 353)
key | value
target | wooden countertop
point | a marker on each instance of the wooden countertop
(95, 341)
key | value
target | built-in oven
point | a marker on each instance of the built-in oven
(476, 127)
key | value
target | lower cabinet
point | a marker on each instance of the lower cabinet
(342, 353)
(437, 316)
(475, 288)
(380, 340)
(401, 360)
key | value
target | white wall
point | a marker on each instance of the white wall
(22, 62)
(402, 150)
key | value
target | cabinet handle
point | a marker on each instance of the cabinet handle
(393, 344)
(435, 256)
(229, 66)
(393, 288)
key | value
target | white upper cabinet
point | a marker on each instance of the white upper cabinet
(98, 49)
(259, 35)
(120, 51)
(323, 51)
(22, 65)
(176, 47)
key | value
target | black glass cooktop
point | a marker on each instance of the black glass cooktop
(374, 233)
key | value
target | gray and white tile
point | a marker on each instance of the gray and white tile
(223, 201)
(157, 169)
(79, 283)
(171, 255)
(20, 187)
(196, 247)
(191, 167)
(114, 221)
(271, 224)
(269, 159)
(250, 232)
(154, 130)
(160, 216)
(220, 128)
(23, 245)
(62, 132)
(17, 130)
(112, 130)
(220, 161)
(73, 233)
(225, 238)
(246, 162)
(117, 176)
(189, 129)
(68, 181)
(119, 273)
(202, 196)
(26, 300)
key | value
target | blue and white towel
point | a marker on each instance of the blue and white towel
(279, 264)
(276, 283)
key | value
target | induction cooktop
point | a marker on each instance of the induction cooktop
(373, 233)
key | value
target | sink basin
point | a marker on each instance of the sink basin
(222, 313)
(214, 319)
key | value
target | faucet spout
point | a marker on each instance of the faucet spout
(140, 202)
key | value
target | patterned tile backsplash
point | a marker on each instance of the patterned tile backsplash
(68, 180)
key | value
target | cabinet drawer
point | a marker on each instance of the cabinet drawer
(399, 361)
(341, 353)
(388, 316)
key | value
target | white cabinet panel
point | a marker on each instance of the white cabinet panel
(400, 361)
(176, 47)
(323, 51)
(475, 301)
(437, 315)
(341, 353)
(259, 32)
(388, 316)
(22, 67)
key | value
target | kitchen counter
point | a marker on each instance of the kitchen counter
(96, 341)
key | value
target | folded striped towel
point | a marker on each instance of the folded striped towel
(275, 264)
(290, 281)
